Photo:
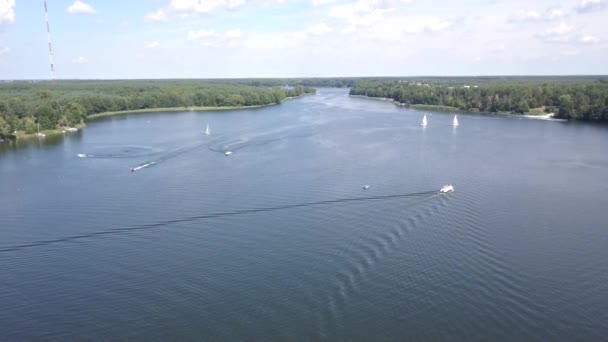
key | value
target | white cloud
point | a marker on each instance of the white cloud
(589, 39)
(204, 6)
(233, 34)
(153, 45)
(7, 12)
(555, 13)
(194, 35)
(559, 33)
(532, 15)
(363, 13)
(322, 2)
(319, 29)
(80, 60)
(79, 7)
(159, 15)
(527, 15)
(393, 29)
(4, 50)
(586, 6)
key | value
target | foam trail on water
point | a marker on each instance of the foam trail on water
(214, 215)
(167, 156)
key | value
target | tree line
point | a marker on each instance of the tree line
(25, 104)
(577, 100)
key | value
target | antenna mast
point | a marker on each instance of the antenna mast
(48, 32)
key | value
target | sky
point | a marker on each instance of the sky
(111, 39)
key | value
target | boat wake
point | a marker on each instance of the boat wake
(424, 195)
(167, 156)
(256, 141)
(120, 152)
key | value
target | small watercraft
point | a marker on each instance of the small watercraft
(365, 187)
(455, 123)
(71, 129)
(81, 155)
(208, 130)
(137, 168)
(227, 153)
(424, 122)
(447, 188)
(40, 135)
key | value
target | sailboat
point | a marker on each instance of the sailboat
(208, 130)
(455, 124)
(423, 123)
(42, 135)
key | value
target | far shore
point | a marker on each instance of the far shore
(183, 109)
(171, 109)
(57, 131)
(533, 114)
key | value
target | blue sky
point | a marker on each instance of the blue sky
(302, 38)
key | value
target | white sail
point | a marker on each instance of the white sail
(455, 120)
(423, 123)
(207, 131)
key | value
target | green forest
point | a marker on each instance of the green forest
(26, 104)
(567, 98)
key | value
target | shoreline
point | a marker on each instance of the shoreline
(439, 108)
(171, 109)
(387, 99)
(93, 117)
(186, 109)
(46, 132)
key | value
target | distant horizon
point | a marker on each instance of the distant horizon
(184, 39)
(303, 77)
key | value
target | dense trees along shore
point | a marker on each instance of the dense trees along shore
(25, 105)
(577, 100)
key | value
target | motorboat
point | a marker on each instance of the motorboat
(447, 188)
(137, 168)
(71, 129)
(82, 155)
(227, 153)
(365, 187)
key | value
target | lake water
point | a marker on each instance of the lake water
(279, 241)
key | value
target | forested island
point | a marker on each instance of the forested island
(567, 98)
(27, 105)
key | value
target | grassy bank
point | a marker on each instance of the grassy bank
(435, 108)
(373, 98)
(184, 109)
(169, 109)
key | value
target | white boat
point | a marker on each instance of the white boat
(365, 187)
(208, 130)
(71, 129)
(447, 188)
(455, 124)
(227, 153)
(137, 168)
(41, 135)
(82, 155)
(423, 123)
